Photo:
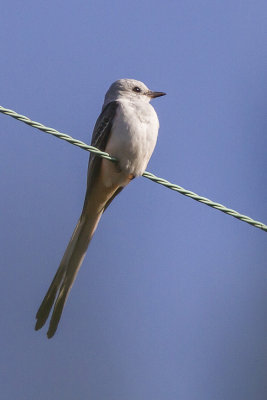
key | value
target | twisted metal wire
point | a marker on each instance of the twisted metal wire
(146, 174)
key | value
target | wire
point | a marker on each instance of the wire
(146, 174)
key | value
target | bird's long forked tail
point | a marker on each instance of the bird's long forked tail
(66, 273)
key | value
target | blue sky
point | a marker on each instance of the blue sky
(171, 300)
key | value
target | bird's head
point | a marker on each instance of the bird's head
(130, 89)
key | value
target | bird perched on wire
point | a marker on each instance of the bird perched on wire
(127, 129)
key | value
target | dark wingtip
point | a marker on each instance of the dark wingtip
(57, 312)
(39, 324)
(50, 334)
(48, 301)
(43, 312)
(53, 325)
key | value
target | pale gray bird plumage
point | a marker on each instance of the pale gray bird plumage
(127, 129)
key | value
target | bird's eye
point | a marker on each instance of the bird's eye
(136, 89)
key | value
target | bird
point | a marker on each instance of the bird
(127, 129)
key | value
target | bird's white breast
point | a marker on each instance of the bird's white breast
(133, 136)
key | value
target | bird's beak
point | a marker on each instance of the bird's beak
(152, 94)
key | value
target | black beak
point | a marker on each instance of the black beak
(155, 94)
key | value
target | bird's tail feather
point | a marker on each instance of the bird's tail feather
(67, 272)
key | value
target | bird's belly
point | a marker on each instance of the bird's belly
(132, 140)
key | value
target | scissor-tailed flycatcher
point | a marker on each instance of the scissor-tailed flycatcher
(127, 129)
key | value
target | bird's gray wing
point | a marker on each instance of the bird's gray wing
(100, 138)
